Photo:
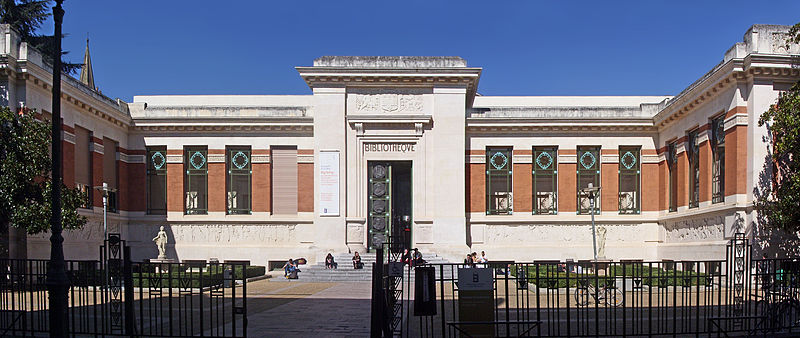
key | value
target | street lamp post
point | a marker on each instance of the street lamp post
(591, 190)
(57, 282)
(105, 190)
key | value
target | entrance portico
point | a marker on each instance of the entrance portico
(393, 109)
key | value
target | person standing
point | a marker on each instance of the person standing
(483, 258)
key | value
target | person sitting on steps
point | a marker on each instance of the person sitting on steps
(357, 261)
(287, 266)
(417, 258)
(330, 263)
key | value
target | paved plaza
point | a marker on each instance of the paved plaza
(278, 308)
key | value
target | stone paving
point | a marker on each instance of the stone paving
(308, 309)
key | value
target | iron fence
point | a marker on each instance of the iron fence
(114, 296)
(737, 295)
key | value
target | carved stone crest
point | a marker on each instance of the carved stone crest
(388, 102)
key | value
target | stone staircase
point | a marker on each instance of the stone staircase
(345, 272)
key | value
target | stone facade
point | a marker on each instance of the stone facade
(425, 111)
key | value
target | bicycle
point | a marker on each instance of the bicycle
(609, 295)
(778, 306)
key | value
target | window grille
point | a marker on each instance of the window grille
(110, 149)
(693, 153)
(498, 181)
(588, 172)
(157, 180)
(629, 180)
(83, 165)
(195, 186)
(545, 180)
(239, 177)
(718, 169)
(672, 166)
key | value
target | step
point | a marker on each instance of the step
(345, 273)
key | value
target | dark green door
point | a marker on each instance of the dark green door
(380, 204)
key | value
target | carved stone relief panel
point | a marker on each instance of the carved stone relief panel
(423, 234)
(92, 231)
(560, 234)
(695, 229)
(386, 101)
(222, 234)
(355, 233)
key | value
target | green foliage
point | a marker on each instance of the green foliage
(26, 17)
(183, 276)
(548, 277)
(779, 197)
(24, 166)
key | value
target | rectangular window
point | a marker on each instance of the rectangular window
(195, 185)
(718, 170)
(239, 176)
(157, 180)
(588, 172)
(693, 153)
(545, 180)
(629, 180)
(498, 181)
(672, 166)
(284, 180)
(83, 164)
(110, 171)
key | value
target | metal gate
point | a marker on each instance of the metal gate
(116, 297)
(740, 295)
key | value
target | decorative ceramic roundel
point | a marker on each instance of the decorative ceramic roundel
(628, 160)
(378, 206)
(544, 160)
(588, 160)
(197, 160)
(378, 189)
(158, 160)
(499, 160)
(378, 171)
(378, 223)
(239, 160)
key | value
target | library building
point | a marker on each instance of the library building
(405, 150)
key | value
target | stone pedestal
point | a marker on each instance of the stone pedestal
(163, 264)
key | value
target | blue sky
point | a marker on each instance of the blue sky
(525, 48)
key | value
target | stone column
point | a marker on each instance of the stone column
(447, 178)
(329, 134)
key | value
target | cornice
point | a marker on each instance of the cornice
(391, 119)
(291, 124)
(112, 113)
(423, 77)
(505, 125)
(731, 73)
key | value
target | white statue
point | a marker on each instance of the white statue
(601, 242)
(161, 243)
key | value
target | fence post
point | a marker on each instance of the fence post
(127, 273)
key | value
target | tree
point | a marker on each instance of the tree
(779, 198)
(24, 185)
(26, 17)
